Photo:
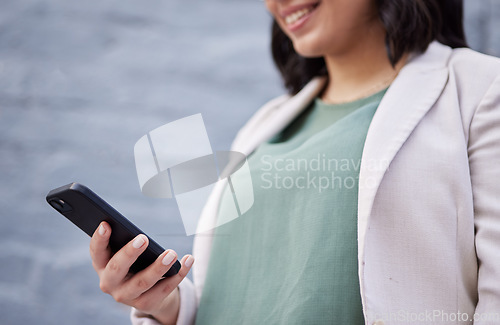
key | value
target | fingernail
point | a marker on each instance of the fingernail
(169, 258)
(189, 261)
(102, 230)
(138, 241)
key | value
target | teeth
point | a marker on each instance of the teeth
(292, 18)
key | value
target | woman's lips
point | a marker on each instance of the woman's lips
(296, 16)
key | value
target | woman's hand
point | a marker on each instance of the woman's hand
(143, 290)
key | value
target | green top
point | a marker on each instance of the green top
(292, 258)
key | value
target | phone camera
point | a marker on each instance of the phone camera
(60, 205)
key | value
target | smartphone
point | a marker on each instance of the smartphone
(87, 210)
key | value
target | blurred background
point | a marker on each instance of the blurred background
(80, 83)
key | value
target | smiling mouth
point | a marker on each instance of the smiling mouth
(297, 15)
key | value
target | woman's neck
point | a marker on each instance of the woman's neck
(363, 70)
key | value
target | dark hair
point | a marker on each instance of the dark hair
(411, 25)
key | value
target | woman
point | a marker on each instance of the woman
(375, 183)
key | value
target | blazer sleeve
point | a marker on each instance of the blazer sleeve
(484, 162)
(187, 310)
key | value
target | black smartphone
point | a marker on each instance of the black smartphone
(87, 210)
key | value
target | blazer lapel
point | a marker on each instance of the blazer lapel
(408, 99)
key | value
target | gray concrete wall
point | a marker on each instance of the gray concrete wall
(482, 25)
(80, 83)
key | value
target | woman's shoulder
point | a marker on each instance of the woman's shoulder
(259, 116)
(474, 66)
(279, 108)
(466, 55)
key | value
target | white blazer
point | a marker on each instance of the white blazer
(429, 193)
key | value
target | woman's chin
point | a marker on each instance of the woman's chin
(314, 47)
(310, 45)
(308, 51)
